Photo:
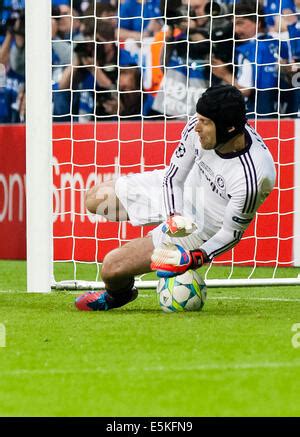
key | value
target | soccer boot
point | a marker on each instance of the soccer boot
(102, 301)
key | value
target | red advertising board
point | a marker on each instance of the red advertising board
(12, 192)
(83, 151)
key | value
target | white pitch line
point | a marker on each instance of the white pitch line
(271, 299)
(275, 299)
(200, 367)
(263, 299)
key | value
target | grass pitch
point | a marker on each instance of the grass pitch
(235, 358)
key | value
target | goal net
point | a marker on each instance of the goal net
(125, 78)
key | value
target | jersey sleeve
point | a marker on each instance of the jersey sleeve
(238, 215)
(181, 163)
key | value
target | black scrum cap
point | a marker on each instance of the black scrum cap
(225, 106)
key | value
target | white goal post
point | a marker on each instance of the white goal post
(39, 208)
(64, 232)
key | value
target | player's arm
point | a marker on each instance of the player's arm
(239, 213)
(181, 163)
(171, 260)
(234, 224)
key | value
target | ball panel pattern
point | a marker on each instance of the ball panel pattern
(185, 292)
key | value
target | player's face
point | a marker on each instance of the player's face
(206, 129)
(244, 28)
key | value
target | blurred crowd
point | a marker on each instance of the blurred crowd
(154, 58)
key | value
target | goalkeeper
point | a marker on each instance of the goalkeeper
(219, 175)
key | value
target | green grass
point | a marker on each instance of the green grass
(234, 358)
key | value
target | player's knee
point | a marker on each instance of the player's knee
(112, 267)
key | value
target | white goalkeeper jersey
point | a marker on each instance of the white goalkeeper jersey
(225, 190)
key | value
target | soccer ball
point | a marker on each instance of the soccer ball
(185, 292)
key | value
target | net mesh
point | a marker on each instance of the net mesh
(126, 79)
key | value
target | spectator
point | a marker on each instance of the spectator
(68, 24)
(104, 13)
(12, 56)
(216, 28)
(256, 61)
(284, 21)
(186, 59)
(95, 74)
(136, 28)
(290, 21)
(9, 11)
(60, 2)
(128, 101)
(63, 28)
(81, 81)
(61, 49)
(61, 56)
(273, 20)
(201, 19)
(82, 6)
